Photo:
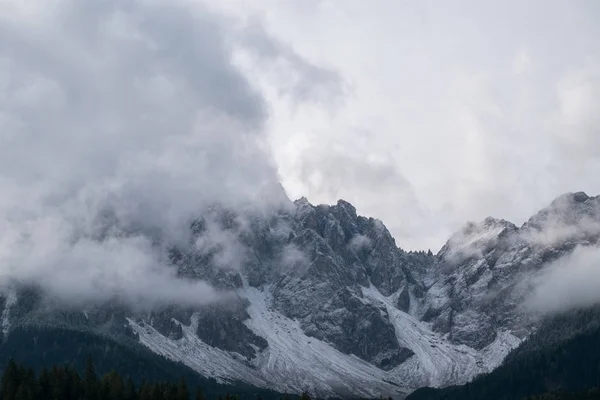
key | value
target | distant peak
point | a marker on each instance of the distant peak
(476, 239)
(580, 197)
(568, 198)
(302, 200)
(344, 203)
(486, 225)
(576, 211)
(347, 207)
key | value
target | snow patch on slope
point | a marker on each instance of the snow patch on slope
(437, 362)
(294, 362)
(11, 300)
(297, 361)
(224, 366)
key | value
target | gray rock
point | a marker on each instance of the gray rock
(316, 262)
(222, 326)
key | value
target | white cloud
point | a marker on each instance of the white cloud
(291, 74)
(124, 118)
(120, 121)
(223, 244)
(577, 94)
(522, 62)
(360, 242)
(86, 271)
(570, 282)
(469, 103)
(293, 261)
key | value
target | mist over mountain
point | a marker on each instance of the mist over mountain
(320, 299)
(147, 153)
(116, 133)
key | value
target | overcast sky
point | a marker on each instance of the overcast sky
(424, 114)
(436, 112)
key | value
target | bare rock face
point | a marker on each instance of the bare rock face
(480, 276)
(393, 319)
(222, 326)
(315, 260)
(168, 321)
(342, 253)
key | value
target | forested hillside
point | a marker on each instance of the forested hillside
(65, 383)
(40, 348)
(591, 394)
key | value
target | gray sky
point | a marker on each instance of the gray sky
(422, 114)
(119, 121)
(442, 112)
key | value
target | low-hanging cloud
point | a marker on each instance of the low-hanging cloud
(474, 240)
(120, 121)
(86, 271)
(571, 217)
(569, 283)
(293, 261)
(360, 242)
(223, 244)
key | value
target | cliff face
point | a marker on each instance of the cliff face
(322, 299)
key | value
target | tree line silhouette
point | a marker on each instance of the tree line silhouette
(65, 383)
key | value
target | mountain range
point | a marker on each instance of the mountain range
(320, 299)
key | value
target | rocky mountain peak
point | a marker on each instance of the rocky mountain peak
(476, 239)
(569, 208)
(347, 207)
(301, 200)
(322, 298)
(569, 199)
(580, 197)
(571, 219)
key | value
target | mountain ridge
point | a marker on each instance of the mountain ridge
(323, 300)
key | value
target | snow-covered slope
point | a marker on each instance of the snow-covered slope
(9, 301)
(294, 362)
(437, 362)
(323, 300)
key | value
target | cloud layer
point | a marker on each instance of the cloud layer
(569, 283)
(451, 113)
(119, 122)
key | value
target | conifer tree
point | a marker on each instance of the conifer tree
(10, 381)
(24, 393)
(305, 396)
(182, 390)
(199, 394)
(130, 392)
(44, 384)
(90, 381)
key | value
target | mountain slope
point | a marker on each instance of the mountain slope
(323, 300)
(39, 347)
(294, 361)
(563, 355)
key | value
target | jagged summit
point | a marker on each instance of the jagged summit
(322, 299)
(571, 217)
(580, 197)
(301, 200)
(334, 304)
(475, 239)
(341, 203)
(473, 230)
(569, 198)
(566, 208)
